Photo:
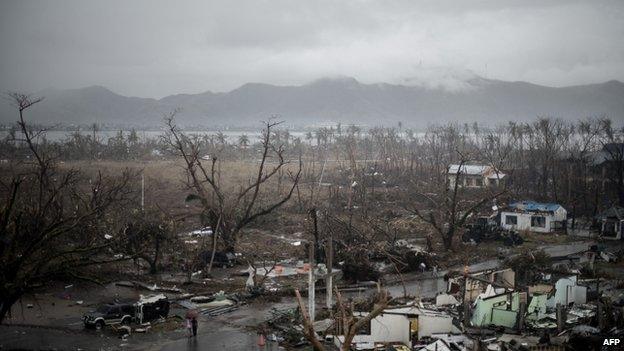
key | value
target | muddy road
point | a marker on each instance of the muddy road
(231, 331)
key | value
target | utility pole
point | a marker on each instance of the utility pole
(329, 281)
(311, 282)
(142, 192)
(317, 254)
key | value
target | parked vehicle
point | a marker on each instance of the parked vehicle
(487, 229)
(221, 259)
(199, 233)
(146, 309)
(114, 313)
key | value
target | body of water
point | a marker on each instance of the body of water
(231, 136)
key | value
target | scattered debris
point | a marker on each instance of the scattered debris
(154, 287)
(213, 305)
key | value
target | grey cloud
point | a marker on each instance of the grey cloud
(156, 48)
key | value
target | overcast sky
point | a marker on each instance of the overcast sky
(156, 48)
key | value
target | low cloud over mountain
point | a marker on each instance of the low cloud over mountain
(334, 99)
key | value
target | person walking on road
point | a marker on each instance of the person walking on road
(194, 325)
(188, 327)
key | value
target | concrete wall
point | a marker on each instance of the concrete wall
(582, 232)
(537, 307)
(391, 327)
(446, 299)
(428, 325)
(504, 318)
(560, 215)
(524, 222)
(468, 181)
(568, 292)
(505, 277)
(484, 315)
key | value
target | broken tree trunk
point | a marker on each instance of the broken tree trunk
(600, 315)
(466, 314)
(560, 318)
(521, 314)
(308, 325)
(215, 230)
(315, 232)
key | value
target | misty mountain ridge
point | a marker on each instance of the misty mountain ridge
(341, 99)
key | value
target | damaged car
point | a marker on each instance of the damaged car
(108, 314)
(146, 309)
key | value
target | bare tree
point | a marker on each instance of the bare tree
(50, 219)
(549, 138)
(613, 146)
(447, 211)
(229, 214)
(145, 237)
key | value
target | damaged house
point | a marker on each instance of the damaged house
(611, 223)
(477, 283)
(534, 216)
(403, 325)
(492, 296)
(474, 176)
(502, 307)
(608, 225)
(499, 309)
(566, 292)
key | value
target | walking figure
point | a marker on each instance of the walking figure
(194, 324)
(188, 327)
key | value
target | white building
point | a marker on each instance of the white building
(474, 176)
(567, 291)
(534, 216)
(402, 325)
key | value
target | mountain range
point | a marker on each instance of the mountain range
(326, 100)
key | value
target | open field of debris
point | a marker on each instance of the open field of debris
(462, 238)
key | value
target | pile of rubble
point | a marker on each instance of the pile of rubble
(492, 310)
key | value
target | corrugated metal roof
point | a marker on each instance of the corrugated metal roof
(534, 206)
(488, 171)
(468, 169)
